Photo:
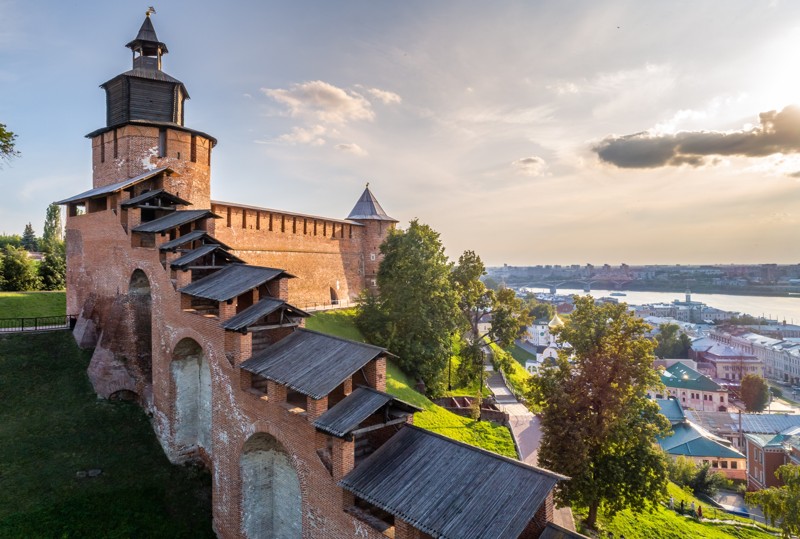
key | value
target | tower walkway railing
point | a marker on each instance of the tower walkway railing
(39, 323)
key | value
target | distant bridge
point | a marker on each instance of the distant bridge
(585, 284)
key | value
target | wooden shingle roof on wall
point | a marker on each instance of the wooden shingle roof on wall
(449, 489)
(194, 235)
(174, 220)
(231, 281)
(349, 413)
(312, 363)
(263, 307)
(118, 186)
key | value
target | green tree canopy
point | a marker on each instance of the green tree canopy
(19, 271)
(7, 143)
(598, 427)
(53, 267)
(509, 314)
(52, 226)
(416, 310)
(29, 241)
(15, 240)
(540, 310)
(781, 504)
(672, 343)
(755, 393)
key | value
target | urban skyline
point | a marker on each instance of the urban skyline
(531, 134)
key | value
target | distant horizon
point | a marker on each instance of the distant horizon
(600, 265)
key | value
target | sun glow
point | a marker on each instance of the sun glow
(778, 77)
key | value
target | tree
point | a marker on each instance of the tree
(416, 310)
(540, 310)
(19, 272)
(29, 241)
(53, 267)
(755, 393)
(781, 504)
(707, 481)
(671, 342)
(7, 143)
(52, 225)
(15, 240)
(598, 427)
(699, 478)
(476, 302)
(491, 283)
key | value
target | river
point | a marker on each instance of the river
(771, 307)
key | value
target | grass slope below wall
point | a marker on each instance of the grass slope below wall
(484, 434)
(32, 304)
(52, 426)
(664, 523)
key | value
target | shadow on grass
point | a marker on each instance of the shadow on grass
(53, 429)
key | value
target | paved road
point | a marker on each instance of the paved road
(526, 432)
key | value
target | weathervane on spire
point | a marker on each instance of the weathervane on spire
(150, 11)
(367, 185)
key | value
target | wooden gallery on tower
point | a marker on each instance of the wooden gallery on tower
(190, 307)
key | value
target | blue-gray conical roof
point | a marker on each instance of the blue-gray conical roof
(368, 207)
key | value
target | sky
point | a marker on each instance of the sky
(530, 132)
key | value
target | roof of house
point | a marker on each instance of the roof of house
(681, 376)
(751, 423)
(173, 220)
(349, 413)
(671, 409)
(723, 351)
(231, 281)
(190, 237)
(312, 363)
(368, 207)
(449, 489)
(118, 186)
(689, 440)
(258, 310)
(790, 436)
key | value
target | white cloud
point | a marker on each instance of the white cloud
(299, 135)
(386, 97)
(352, 147)
(322, 101)
(530, 166)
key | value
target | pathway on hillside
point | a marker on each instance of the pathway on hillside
(524, 428)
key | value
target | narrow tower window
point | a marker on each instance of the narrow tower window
(103, 148)
(115, 145)
(162, 142)
(193, 156)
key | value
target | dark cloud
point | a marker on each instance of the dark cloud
(779, 132)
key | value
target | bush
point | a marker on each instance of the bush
(699, 479)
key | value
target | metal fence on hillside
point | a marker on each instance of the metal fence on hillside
(40, 323)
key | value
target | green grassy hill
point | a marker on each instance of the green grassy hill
(664, 523)
(53, 429)
(483, 434)
(32, 304)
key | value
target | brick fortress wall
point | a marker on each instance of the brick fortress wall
(334, 259)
